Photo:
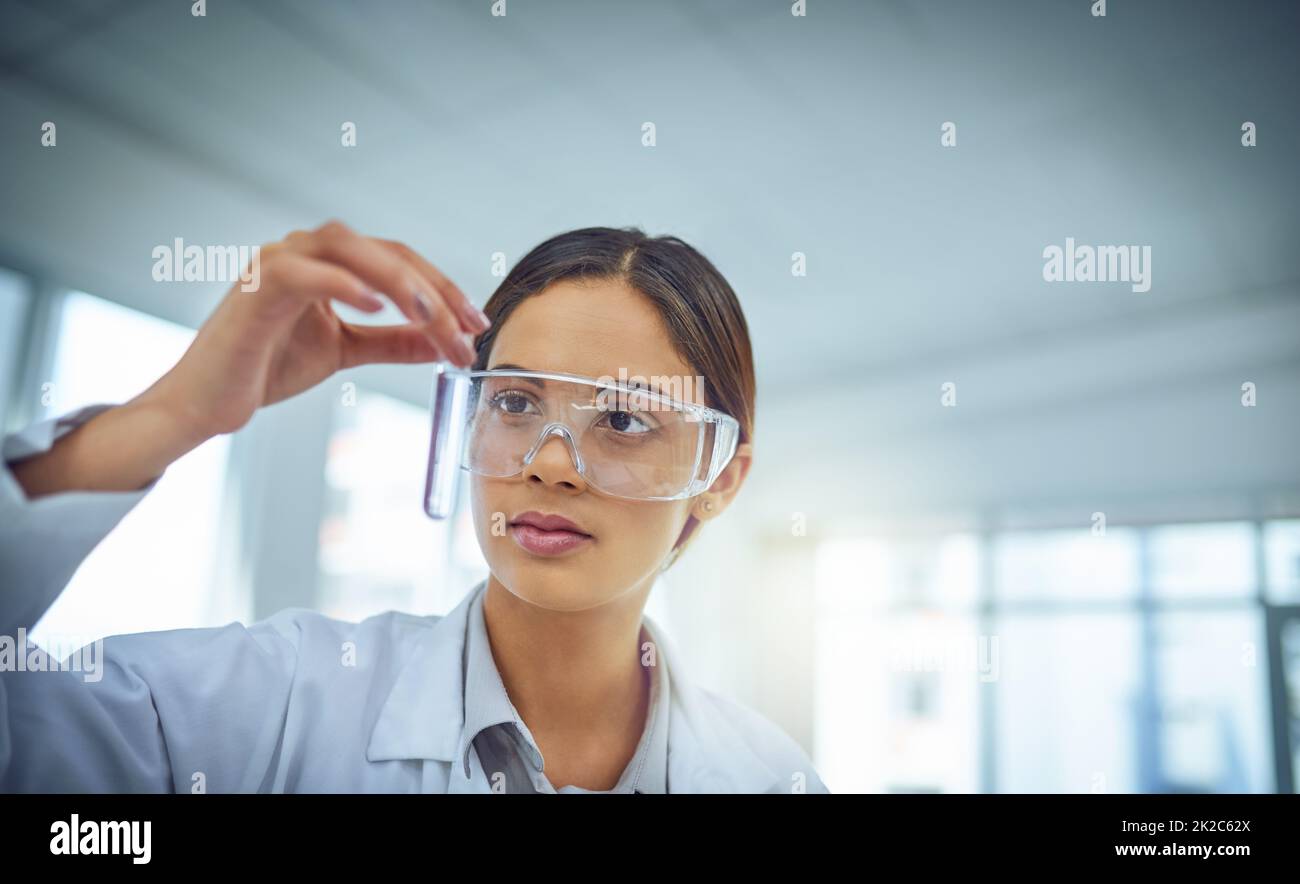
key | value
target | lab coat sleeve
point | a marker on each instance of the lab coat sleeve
(44, 540)
(177, 710)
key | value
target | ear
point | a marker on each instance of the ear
(724, 488)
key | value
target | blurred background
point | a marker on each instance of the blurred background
(1075, 569)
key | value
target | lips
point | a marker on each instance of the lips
(547, 535)
(547, 522)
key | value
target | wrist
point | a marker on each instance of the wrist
(122, 448)
(170, 429)
(176, 426)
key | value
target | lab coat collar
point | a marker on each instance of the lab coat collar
(488, 704)
(486, 701)
(424, 717)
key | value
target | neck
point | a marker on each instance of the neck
(570, 672)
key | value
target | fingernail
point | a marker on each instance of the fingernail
(371, 300)
(483, 321)
(424, 304)
(465, 351)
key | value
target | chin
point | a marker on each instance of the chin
(566, 583)
(551, 584)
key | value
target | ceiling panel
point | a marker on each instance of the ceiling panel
(775, 134)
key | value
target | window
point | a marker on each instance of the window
(1067, 702)
(158, 568)
(1067, 565)
(378, 549)
(898, 664)
(1212, 704)
(1282, 560)
(1131, 661)
(15, 301)
(1200, 561)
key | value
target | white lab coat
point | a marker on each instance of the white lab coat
(275, 706)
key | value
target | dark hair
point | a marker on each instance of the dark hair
(697, 305)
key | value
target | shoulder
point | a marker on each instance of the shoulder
(295, 622)
(390, 634)
(287, 632)
(736, 722)
(758, 731)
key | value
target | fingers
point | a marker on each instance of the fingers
(384, 270)
(304, 277)
(472, 319)
(364, 344)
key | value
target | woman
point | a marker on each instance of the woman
(546, 677)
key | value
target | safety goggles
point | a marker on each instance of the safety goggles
(624, 439)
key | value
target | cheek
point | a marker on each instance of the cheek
(487, 510)
(652, 526)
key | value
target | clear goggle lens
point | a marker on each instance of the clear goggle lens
(625, 442)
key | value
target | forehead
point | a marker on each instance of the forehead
(588, 327)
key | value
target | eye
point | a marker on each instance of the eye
(628, 423)
(511, 402)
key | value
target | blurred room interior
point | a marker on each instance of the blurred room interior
(1083, 576)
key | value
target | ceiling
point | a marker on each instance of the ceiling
(775, 134)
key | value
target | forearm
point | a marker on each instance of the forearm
(120, 449)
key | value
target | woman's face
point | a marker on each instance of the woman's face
(592, 328)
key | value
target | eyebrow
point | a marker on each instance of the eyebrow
(538, 382)
(510, 366)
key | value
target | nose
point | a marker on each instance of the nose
(555, 461)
